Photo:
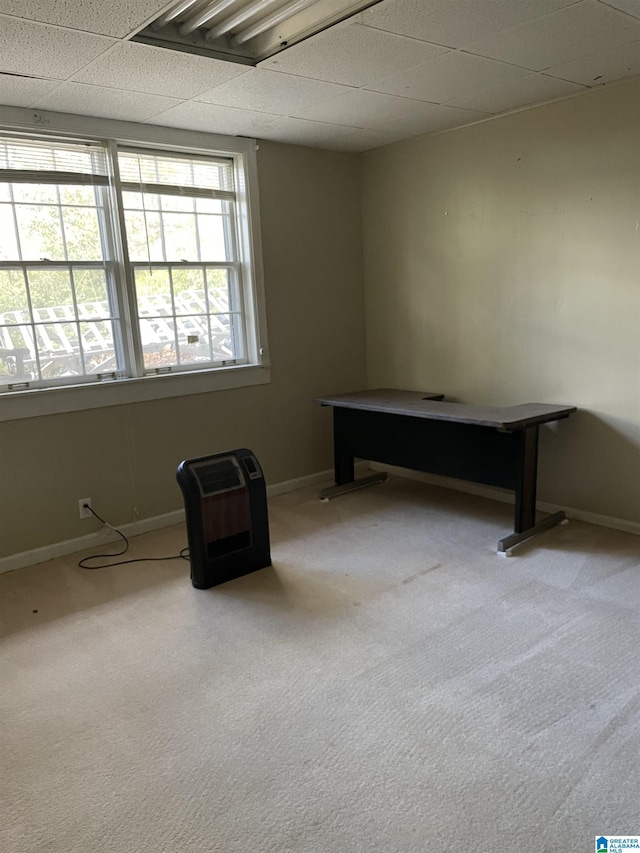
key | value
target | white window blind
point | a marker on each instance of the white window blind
(23, 161)
(175, 173)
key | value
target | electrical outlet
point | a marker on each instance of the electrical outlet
(84, 512)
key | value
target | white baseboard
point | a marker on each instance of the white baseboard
(506, 496)
(145, 525)
(321, 477)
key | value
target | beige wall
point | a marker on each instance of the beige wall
(125, 456)
(502, 266)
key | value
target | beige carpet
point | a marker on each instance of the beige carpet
(391, 685)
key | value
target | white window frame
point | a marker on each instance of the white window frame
(42, 401)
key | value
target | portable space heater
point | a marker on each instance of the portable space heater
(227, 524)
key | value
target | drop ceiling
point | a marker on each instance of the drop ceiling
(397, 69)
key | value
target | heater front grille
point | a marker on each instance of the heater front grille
(223, 475)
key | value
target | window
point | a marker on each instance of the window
(119, 262)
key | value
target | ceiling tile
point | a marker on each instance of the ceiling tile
(43, 51)
(602, 67)
(352, 55)
(632, 7)
(23, 91)
(106, 103)
(432, 120)
(272, 92)
(532, 89)
(320, 135)
(142, 68)
(360, 108)
(571, 33)
(455, 24)
(210, 118)
(453, 75)
(116, 18)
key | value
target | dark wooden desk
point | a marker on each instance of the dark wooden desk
(497, 446)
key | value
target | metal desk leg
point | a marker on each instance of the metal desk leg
(527, 481)
(524, 523)
(343, 461)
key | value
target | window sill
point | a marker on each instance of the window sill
(50, 401)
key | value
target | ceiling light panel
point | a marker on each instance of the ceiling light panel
(245, 31)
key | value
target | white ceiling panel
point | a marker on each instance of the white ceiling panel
(524, 91)
(395, 70)
(272, 92)
(571, 33)
(113, 18)
(433, 119)
(452, 75)
(365, 109)
(455, 24)
(105, 103)
(23, 91)
(603, 67)
(632, 7)
(43, 51)
(352, 55)
(142, 68)
(320, 135)
(210, 118)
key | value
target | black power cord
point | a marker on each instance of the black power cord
(183, 555)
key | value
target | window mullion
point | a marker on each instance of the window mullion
(124, 275)
(109, 266)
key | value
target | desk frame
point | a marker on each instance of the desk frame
(507, 458)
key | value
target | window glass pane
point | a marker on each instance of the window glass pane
(220, 297)
(35, 193)
(135, 201)
(14, 305)
(50, 294)
(193, 339)
(221, 337)
(82, 233)
(177, 203)
(58, 349)
(180, 236)
(8, 243)
(188, 290)
(158, 343)
(98, 346)
(91, 292)
(212, 242)
(209, 205)
(144, 236)
(153, 292)
(16, 354)
(78, 195)
(40, 232)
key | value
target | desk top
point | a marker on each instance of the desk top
(429, 405)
